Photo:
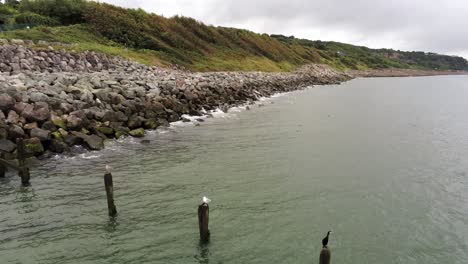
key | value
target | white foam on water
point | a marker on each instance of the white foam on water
(162, 131)
(277, 95)
(218, 113)
(194, 118)
(91, 155)
(181, 124)
(63, 157)
(238, 109)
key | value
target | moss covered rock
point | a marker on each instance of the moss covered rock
(140, 132)
(58, 122)
(120, 133)
(106, 131)
(151, 124)
(85, 131)
(56, 135)
(33, 147)
(58, 146)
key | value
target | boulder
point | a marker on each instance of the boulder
(72, 140)
(58, 122)
(139, 133)
(49, 126)
(17, 41)
(93, 142)
(30, 126)
(162, 122)
(3, 133)
(15, 131)
(38, 97)
(13, 117)
(7, 146)
(151, 124)
(108, 131)
(111, 116)
(33, 147)
(58, 146)
(38, 112)
(66, 108)
(19, 107)
(41, 134)
(6, 102)
(135, 122)
(74, 122)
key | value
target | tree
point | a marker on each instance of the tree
(12, 3)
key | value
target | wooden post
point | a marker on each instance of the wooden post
(110, 194)
(21, 155)
(3, 168)
(203, 219)
(325, 256)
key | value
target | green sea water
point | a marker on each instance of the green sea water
(381, 162)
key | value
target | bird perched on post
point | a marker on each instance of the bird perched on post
(108, 169)
(325, 240)
(205, 200)
(325, 254)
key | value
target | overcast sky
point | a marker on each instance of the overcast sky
(429, 25)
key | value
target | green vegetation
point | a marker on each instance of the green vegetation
(154, 39)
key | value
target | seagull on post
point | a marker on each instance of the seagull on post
(205, 200)
(108, 169)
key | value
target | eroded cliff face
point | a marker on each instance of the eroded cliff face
(56, 99)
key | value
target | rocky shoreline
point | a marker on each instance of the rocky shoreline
(56, 99)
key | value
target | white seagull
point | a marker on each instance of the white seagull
(108, 169)
(206, 200)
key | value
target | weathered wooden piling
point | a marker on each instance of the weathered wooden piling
(325, 256)
(203, 219)
(23, 171)
(110, 194)
(3, 168)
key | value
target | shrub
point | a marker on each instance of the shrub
(66, 11)
(33, 18)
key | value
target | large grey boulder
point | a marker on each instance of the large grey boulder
(13, 117)
(19, 107)
(74, 122)
(58, 146)
(111, 116)
(15, 131)
(38, 112)
(7, 146)
(6, 102)
(17, 41)
(36, 97)
(93, 142)
(41, 134)
(135, 122)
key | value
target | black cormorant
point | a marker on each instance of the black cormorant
(325, 240)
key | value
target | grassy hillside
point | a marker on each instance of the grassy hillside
(154, 39)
